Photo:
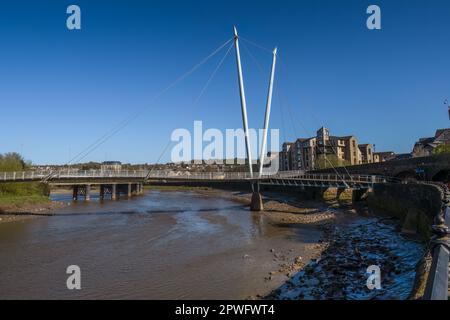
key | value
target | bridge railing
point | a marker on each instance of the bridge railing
(156, 174)
(22, 175)
(70, 174)
(161, 174)
(366, 179)
(437, 287)
(184, 175)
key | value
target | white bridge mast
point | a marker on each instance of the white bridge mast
(243, 102)
(267, 115)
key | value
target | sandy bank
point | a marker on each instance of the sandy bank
(19, 212)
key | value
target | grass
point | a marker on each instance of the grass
(21, 193)
(12, 200)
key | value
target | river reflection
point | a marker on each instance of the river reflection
(162, 245)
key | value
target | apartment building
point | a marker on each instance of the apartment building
(285, 156)
(365, 153)
(304, 153)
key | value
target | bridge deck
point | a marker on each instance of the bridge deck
(287, 178)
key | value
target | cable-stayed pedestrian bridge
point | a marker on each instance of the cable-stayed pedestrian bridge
(286, 178)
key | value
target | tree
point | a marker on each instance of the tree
(12, 161)
(441, 149)
(329, 161)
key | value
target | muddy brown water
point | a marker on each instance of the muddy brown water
(162, 245)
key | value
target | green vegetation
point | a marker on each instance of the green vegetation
(329, 161)
(20, 193)
(441, 149)
(13, 161)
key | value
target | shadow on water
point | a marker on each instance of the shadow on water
(58, 214)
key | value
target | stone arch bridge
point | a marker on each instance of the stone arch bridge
(433, 168)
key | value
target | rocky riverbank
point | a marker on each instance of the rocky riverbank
(348, 249)
(336, 267)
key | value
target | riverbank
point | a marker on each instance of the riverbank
(19, 201)
(22, 208)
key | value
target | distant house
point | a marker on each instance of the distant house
(111, 166)
(383, 156)
(425, 146)
(402, 156)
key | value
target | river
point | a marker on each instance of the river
(162, 245)
(188, 245)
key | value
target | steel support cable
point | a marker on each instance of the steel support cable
(283, 66)
(159, 159)
(261, 71)
(283, 127)
(125, 122)
(290, 111)
(334, 169)
(211, 77)
(257, 45)
(325, 156)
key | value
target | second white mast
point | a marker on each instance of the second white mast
(267, 115)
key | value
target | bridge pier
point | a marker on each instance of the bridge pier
(114, 192)
(75, 193)
(256, 203)
(129, 190)
(87, 192)
(359, 194)
(102, 192)
(81, 190)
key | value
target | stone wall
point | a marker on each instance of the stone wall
(415, 204)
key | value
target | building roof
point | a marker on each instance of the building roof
(346, 137)
(426, 140)
(441, 131)
(110, 163)
(385, 153)
(403, 156)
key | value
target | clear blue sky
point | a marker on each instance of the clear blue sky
(60, 90)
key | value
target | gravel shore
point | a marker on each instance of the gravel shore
(27, 211)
